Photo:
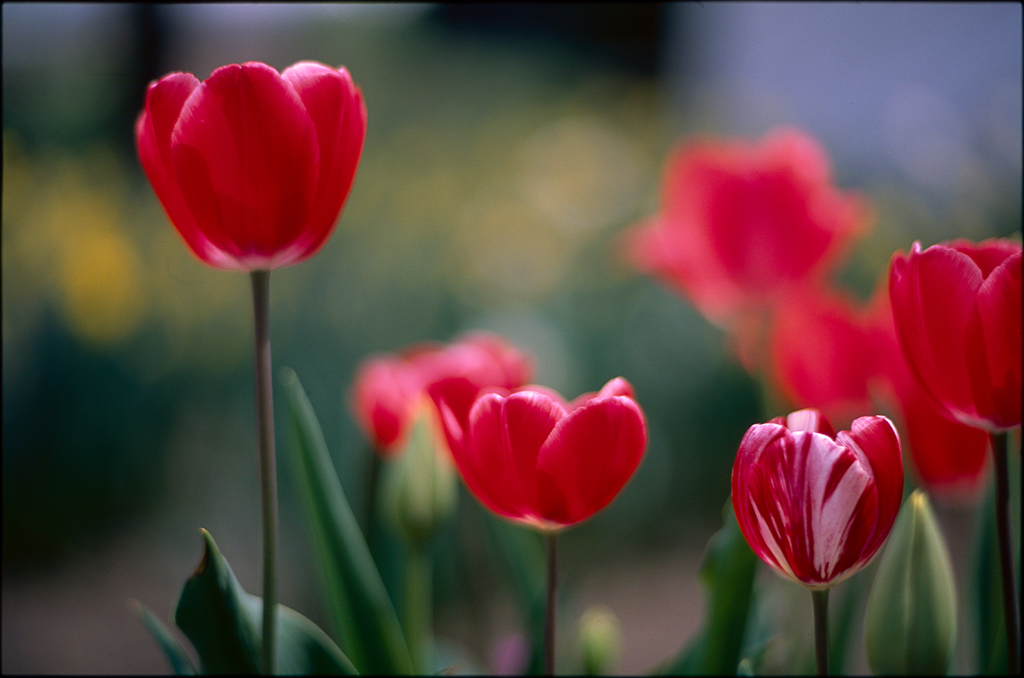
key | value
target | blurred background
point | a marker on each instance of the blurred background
(507, 148)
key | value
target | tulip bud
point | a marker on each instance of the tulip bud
(910, 624)
(600, 639)
(420, 485)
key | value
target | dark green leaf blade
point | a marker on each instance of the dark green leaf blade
(169, 643)
(728, 577)
(224, 623)
(363, 614)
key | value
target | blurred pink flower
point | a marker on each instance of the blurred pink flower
(741, 224)
(386, 387)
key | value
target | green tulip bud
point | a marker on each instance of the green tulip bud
(600, 639)
(910, 624)
(420, 488)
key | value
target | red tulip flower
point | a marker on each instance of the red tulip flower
(386, 388)
(957, 310)
(814, 505)
(743, 223)
(531, 457)
(949, 458)
(253, 166)
(821, 355)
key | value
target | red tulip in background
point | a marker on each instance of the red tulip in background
(814, 505)
(830, 353)
(386, 388)
(252, 166)
(821, 356)
(957, 310)
(741, 224)
(531, 457)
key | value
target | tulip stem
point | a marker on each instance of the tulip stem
(1011, 612)
(418, 611)
(820, 600)
(551, 603)
(268, 470)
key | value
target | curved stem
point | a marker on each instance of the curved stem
(820, 600)
(551, 603)
(267, 464)
(1011, 612)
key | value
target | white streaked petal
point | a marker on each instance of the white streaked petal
(769, 540)
(832, 515)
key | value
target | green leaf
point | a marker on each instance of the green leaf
(169, 643)
(363, 615)
(224, 623)
(728, 577)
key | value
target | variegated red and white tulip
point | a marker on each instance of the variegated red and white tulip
(814, 505)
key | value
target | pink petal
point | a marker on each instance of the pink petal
(932, 293)
(995, 346)
(809, 420)
(876, 439)
(335, 106)
(504, 437)
(246, 158)
(164, 101)
(588, 458)
(384, 392)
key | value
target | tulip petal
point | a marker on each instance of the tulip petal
(499, 460)
(589, 457)
(932, 293)
(164, 101)
(335, 106)
(876, 439)
(994, 344)
(246, 158)
(383, 396)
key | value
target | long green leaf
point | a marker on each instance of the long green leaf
(363, 615)
(169, 643)
(223, 622)
(728, 577)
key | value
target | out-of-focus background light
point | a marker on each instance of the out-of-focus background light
(507, 147)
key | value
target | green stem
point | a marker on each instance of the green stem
(268, 469)
(418, 601)
(820, 599)
(551, 603)
(1011, 612)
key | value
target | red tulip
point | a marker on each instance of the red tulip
(386, 388)
(531, 457)
(743, 223)
(814, 505)
(949, 458)
(252, 166)
(821, 355)
(957, 310)
(384, 394)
